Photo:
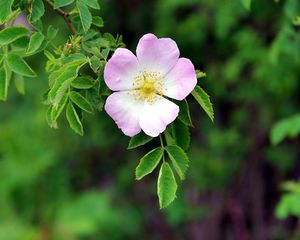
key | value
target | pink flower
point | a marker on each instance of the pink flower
(142, 83)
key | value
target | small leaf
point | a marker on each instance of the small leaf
(181, 134)
(9, 35)
(81, 102)
(35, 42)
(62, 83)
(85, 15)
(57, 110)
(95, 63)
(73, 119)
(148, 163)
(200, 74)
(179, 160)
(19, 66)
(92, 3)
(62, 3)
(4, 82)
(139, 140)
(204, 100)
(85, 82)
(5, 9)
(51, 32)
(19, 83)
(184, 113)
(246, 4)
(166, 185)
(98, 21)
(38, 10)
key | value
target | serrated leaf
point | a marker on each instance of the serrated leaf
(85, 82)
(73, 119)
(139, 140)
(5, 9)
(98, 21)
(62, 83)
(246, 4)
(184, 113)
(76, 58)
(35, 42)
(166, 185)
(148, 163)
(19, 83)
(179, 160)
(20, 43)
(81, 102)
(38, 10)
(49, 119)
(4, 82)
(9, 35)
(57, 110)
(92, 3)
(18, 65)
(204, 100)
(181, 134)
(62, 3)
(85, 15)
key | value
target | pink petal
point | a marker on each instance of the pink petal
(155, 117)
(120, 70)
(125, 111)
(181, 80)
(157, 54)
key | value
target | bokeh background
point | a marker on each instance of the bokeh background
(57, 185)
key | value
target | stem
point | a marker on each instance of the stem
(162, 145)
(65, 15)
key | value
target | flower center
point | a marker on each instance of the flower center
(147, 86)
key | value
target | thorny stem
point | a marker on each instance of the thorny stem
(65, 15)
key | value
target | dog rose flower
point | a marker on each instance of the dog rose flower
(143, 84)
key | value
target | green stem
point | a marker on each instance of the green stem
(162, 145)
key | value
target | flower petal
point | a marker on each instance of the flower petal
(125, 110)
(121, 69)
(181, 80)
(157, 54)
(155, 117)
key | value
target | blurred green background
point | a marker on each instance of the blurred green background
(57, 185)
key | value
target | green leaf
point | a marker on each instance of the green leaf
(85, 82)
(49, 119)
(81, 102)
(184, 113)
(289, 127)
(148, 163)
(98, 21)
(62, 3)
(4, 82)
(5, 9)
(73, 119)
(179, 160)
(139, 140)
(204, 100)
(166, 185)
(181, 134)
(18, 65)
(76, 58)
(57, 110)
(35, 42)
(51, 32)
(9, 35)
(19, 83)
(246, 4)
(200, 74)
(62, 83)
(85, 15)
(92, 3)
(95, 63)
(38, 10)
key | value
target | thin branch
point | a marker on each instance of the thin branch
(65, 15)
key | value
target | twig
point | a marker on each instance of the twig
(65, 15)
